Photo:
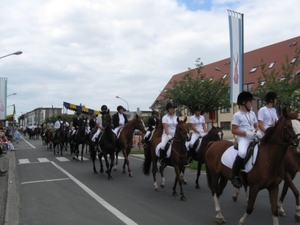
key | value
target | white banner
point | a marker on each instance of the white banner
(236, 32)
(3, 94)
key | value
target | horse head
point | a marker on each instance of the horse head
(215, 133)
(140, 125)
(106, 120)
(182, 130)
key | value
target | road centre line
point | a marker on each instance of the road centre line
(105, 204)
(42, 181)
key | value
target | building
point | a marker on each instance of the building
(273, 55)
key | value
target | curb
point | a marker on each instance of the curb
(13, 200)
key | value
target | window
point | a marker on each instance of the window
(225, 125)
(253, 69)
(224, 76)
(294, 59)
(224, 110)
(272, 64)
(259, 103)
(247, 87)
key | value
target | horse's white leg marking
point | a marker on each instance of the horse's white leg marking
(275, 220)
(217, 208)
(155, 185)
(298, 210)
(243, 219)
(163, 181)
(281, 211)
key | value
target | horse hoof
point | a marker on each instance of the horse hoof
(282, 213)
(234, 198)
(297, 218)
(183, 198)
(157, 189)
(184, 182)
(221, 220)
(130, 175)
(174, 193)
(162, 186)
(197, 186)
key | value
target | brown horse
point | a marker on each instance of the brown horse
(177, 158)
(267, 171)
(124, 140)
(49, 139)
(214, 134)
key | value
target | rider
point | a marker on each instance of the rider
(92, 123)
(199, 130)
(267, 115)
(152, 124)
(119, 119)
(77, 123)
(99, 122)
(57, 125)
(244, 125)
(169, 122)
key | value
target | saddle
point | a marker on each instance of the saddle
(250, 150)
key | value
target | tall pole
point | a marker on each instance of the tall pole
(124, 101)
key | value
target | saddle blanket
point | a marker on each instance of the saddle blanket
(157, 150)
(229, 155)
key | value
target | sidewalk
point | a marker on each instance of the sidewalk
(4, 161)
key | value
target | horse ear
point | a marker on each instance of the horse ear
(284, 112)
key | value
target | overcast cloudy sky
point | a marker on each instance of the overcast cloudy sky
(90, 51)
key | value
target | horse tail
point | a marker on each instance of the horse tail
(147, 161)
(208, 176)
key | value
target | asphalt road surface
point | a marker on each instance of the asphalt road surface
(54, 189)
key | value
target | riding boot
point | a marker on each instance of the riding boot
(236, 168)
(146, 140)
(163, 154)
(189, 157)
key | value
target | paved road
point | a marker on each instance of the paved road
(44, 188)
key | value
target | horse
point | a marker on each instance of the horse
(156, 133)
(81, 138)
(60, 139)
(214, 134)
(107, 143)
(48, 138)
(124, 140)
(267, 171)
(178, 157)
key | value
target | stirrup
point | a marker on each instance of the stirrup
(189, 160)
(162, 162)
(236, 182)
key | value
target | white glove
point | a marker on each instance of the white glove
(250, 134)
(170, 136)
(202, 134)
(259, 135)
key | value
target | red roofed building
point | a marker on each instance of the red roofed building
(273, 55)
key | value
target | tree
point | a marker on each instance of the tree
(196, 88)
(285, 82)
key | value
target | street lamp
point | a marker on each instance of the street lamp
(15, 53)
(124, 101)
(11, 94)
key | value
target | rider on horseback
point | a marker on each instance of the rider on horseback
(99, 122)
(152, 124)
(244, 125)
(169, 122)
(199, 131)
(57, 125)
(119, 119)
(77, 123)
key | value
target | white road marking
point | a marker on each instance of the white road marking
(105, 204)
(62, 159)
(42, 181)
(43, 160)
(28, 143)
(23, 161)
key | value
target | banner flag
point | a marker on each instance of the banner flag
(3, 94)
(236, 32)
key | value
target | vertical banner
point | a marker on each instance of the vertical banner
(3, 94)
(236, 32)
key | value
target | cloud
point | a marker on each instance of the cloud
(88, 51)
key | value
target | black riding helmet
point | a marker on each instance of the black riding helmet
(244, 96)
(120, 107)
(103, 107)
(169, 105)
(270, 96)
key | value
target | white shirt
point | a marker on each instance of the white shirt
(57, 125)
(121, 119)
(244, 120)
(198, 121)
(99, 120)
(268, 116)
(171, 122)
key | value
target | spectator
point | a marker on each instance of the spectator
(17, 136)
(7, 142)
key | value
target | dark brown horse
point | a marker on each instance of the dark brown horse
(267, 171)
(214, 134)
(177, 158)
(124, 140)
(48, 138)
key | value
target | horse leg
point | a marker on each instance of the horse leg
(82, 150)
(93, 157)
(101, 164)
(116, 160)
(252, 197)
(111, 164)
(107, 167)
(126, 162)
(182, 176)
(154, 171)
(198, 174)
(163, 180)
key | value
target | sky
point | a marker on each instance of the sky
(90, 51)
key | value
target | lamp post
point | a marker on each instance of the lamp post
(15, 53)
(124, 101)
(11, 94)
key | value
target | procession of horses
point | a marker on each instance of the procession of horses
(272, 159)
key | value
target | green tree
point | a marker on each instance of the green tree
(284, 81)
(196, 88)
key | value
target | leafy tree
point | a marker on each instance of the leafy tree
(285, 82)
(196, 88)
